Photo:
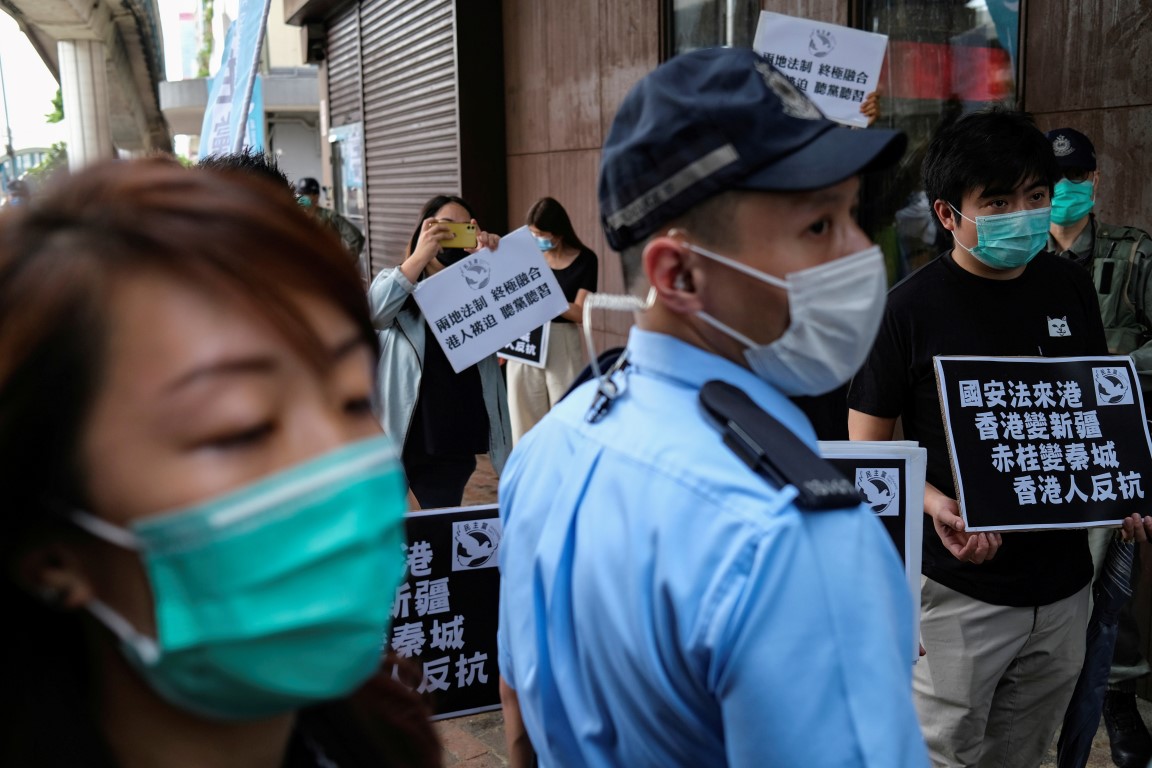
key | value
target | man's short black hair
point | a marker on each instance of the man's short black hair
(248, 160)
(994, 149)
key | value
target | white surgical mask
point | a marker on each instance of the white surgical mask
(835, 311)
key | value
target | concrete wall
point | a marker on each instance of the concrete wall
(295, 143)
(1086, 67)
(562, 91)
(283, 41)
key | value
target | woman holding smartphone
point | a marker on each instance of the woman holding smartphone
(532, 391)
(203, 521)
(442, 418)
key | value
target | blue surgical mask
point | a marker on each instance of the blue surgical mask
(1072, 201)
(545, 243)
(273, 596)
(1008, 240)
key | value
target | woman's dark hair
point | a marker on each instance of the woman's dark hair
(995, 149)
(61, 259)
(547, 215)
(429, 209)
(60, 263)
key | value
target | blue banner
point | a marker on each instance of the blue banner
(254, 132)
(229, 112)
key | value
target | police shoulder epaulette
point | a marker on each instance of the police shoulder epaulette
(773, 451)
(1116, 232)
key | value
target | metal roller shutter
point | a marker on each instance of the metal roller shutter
(344, 67)
(411, 124)
(344, 91)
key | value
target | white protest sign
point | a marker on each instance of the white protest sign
(835, 66)
(481, 303)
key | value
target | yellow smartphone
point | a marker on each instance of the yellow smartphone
(463, 235)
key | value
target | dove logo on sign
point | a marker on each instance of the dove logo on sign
(475, 543)
(821, 43)
(477, 273)
(881, 489)
(1113, 386)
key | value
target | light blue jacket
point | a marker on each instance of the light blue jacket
(401, 333)
(661, 604)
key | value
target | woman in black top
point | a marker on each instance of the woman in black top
(533, 391)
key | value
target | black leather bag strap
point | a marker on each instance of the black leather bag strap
(773, 452)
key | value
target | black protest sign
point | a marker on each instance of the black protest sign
(1045, 443)
(890, 478)
(885, 489)
(444, 614)
(530, 349)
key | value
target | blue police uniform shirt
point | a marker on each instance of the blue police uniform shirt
(661, 604)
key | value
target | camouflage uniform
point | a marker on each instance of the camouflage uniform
(1120, 261)
(353, 238)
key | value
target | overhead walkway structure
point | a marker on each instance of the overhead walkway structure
(108, 56)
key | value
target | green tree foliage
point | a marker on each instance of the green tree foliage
(207, 11)
(57, 113)
(55, 160)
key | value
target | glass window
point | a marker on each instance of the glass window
(944, 58)
(937, 51)
(347, 145)
(709, 23)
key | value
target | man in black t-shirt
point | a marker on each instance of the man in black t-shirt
(1003, 616)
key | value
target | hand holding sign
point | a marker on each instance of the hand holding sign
(871, 107)
(945, 514)
(1136, 529)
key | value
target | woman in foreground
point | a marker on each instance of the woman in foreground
(203, 523)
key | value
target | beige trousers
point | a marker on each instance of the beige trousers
(996, 680)
(533, 391)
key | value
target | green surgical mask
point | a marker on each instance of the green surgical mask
(1072, 201)
(273, 596)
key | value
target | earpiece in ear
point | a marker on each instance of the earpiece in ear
(681, 282)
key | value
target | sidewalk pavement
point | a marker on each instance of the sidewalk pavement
(477, 741)
(1101, 756)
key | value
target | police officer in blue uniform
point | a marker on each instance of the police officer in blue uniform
(684, 581)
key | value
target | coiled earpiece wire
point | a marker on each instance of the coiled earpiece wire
(606, 389)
